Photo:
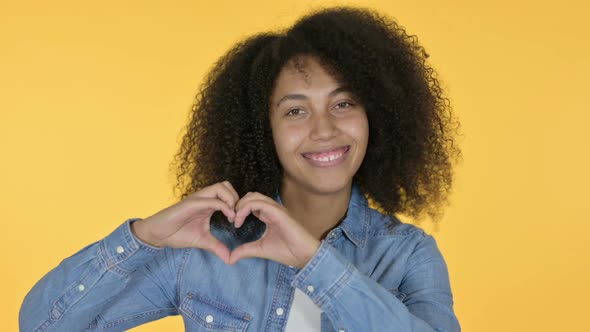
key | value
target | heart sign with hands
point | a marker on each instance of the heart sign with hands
(187, 224)
(284, 240)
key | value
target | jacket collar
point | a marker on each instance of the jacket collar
(356, 223)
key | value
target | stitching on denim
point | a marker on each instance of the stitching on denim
(113, 262)
(110, 261)
(337, 285)
(437, 257)
(367, 219)
(396, 233)
(135, 242)
(133, 245)
(128, 236)
(62, 310)
(180, 274)
(44, 326)
(439, 305)
(240, 318)
(396, 292)
(66, 306)
(135, 316)
(275, 296)
(313, 264)
(93, 324)
(220, 305)
(359, 238)
(103, 255)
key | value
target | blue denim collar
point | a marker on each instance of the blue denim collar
(356, 223)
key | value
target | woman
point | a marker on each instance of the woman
(290, 134)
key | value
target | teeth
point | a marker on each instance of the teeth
(330, 158)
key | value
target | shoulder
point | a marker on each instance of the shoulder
(395, 248)
(388, 234)
(382, 225)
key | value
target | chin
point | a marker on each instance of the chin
(329, 186)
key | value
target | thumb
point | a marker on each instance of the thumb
(217, 247)
(246, 250)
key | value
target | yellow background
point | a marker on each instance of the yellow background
(93, 96)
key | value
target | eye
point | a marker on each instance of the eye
(295, 112)
(344, 104)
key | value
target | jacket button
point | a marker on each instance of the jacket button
(209, 319)
(280, 311)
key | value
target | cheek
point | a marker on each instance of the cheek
(287, 139)
(358, 128)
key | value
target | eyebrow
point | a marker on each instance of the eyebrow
(304, 97)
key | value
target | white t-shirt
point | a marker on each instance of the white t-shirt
(304, 315)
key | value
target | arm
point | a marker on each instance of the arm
(120, 281)
(113, 284)
(355, 302)
(351, 300)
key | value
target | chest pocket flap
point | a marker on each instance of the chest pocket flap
(214, 315)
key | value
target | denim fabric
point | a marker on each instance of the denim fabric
(371, 273)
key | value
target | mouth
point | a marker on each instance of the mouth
(326, 158)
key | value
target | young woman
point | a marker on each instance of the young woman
(291, 134)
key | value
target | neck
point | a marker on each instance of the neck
(318, 213)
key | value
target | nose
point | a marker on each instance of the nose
(323, 126)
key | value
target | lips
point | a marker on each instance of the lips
(328, 157)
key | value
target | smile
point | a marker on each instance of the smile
(327, 158)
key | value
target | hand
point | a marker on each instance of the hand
(186, 224)
(284, 240)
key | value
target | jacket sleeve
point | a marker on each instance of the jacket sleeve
(355, 302)
(111, 285)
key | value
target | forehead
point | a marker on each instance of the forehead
(304, 73)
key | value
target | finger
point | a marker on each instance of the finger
(217, 247)
(241, 216)
(243, 200)
(214, 204)
(247, 198)
(246, 250)
(262, 209)
(219, 191)
(246, 208)
(231, 190)
(252, 196)
(238, 222)
(263, 197)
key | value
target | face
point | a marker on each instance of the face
(319, 127)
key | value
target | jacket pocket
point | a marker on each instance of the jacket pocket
(214, 315)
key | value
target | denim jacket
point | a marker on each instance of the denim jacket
(371, 273)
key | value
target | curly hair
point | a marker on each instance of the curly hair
(412, 142)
